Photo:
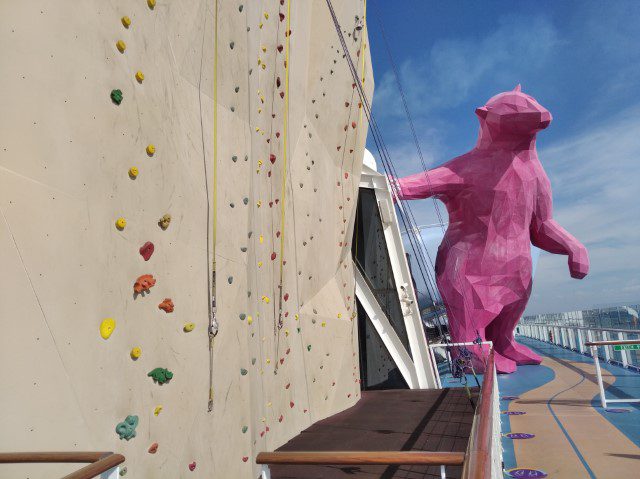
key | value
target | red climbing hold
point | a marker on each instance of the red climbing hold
(286, 314)
(286, 296)
(339, 148)
(153, 448)
(272, 158)
(281, 360)
(245, 458)
(287, 351)
(144, 283)
(280, 48)
(277, 234)
(346, 104)
(353, 124)
(273, 256)
(277, 134)
(287, 386)
(278, 82)
(192, 466)
(281, 16)
(280, 418)
(291, 404)
(146, 250)
(346, 175)
(166, 305)
(353, 85)
(281, 94)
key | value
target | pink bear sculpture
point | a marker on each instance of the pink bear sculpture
(499, 202)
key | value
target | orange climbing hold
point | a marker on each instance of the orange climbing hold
(144, 283)
(166, 305)
(153, 448)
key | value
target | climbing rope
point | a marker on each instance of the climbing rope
(283, 193)
(213, 321)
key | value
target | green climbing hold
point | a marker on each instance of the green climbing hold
(308, 347)
(160, 375)
(123, 471)
(243, 316)
(253, 361)
(237, 89)
(230, 279)
(245, 201)
(233, 108)
(127, 428)
(231, 45)
(243, 249)
(246, 157)
(243, 371)
(240, 8)
(116, 96)
(244, 429)
(234, 158)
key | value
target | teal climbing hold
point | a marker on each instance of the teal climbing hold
(116, 96)
(243, 371)
(245, 201)
(308, 347)
(233, 108)
(230, 279)
(234, 158)
(127, 428)
(237, 89)
(240, 8)
(231, 45)
(160, 375)
(243, 249)
(244, 429)
(253, 361)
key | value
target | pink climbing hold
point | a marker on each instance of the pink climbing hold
(192, 466)
(146, 250)
(499, 202)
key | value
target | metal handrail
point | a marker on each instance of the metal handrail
(362, 458)
(586, 328)
(612, 342)
(478, 460)
(99, 462)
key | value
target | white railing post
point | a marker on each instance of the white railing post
(607, 351)
(623, 353)
(589, 339)
(596, 359)
(580, 341)
(572, 339)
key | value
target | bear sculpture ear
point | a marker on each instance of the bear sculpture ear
(482, 112)
(518, 87)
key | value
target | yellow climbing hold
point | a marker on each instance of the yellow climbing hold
(259, 264)
(151, 3)
(263, 48)
(260, 25)
(121, 223)
(324, 323)
(268, 361)
(139, 76)
(266, 299)
(189, 327)
(136, 353)
(261, 239)
(126, 21)
(157, 410)
(259, 203)
(339, 315)
(106, 327)
(249, 320)
(266, 15)
(259, 162)
(121, 46)
(151, 150)
(286, 332)
(297, 317)
(133, 172)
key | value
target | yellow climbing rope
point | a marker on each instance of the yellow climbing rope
(213, 322)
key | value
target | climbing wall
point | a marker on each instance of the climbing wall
(116, 176)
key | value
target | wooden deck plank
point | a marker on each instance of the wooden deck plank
(396, 420)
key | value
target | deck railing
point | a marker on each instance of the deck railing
(99, 462)
(574, 338)
(484, 451)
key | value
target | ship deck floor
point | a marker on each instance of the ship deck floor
(396, 420)
(574, 436)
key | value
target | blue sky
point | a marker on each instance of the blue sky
(579, 59)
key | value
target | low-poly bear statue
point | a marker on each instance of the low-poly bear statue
(499, 202)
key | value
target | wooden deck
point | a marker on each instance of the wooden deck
(397, 420)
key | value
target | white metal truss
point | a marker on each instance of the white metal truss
(419, 372)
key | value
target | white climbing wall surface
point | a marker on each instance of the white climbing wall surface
(106, 153)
